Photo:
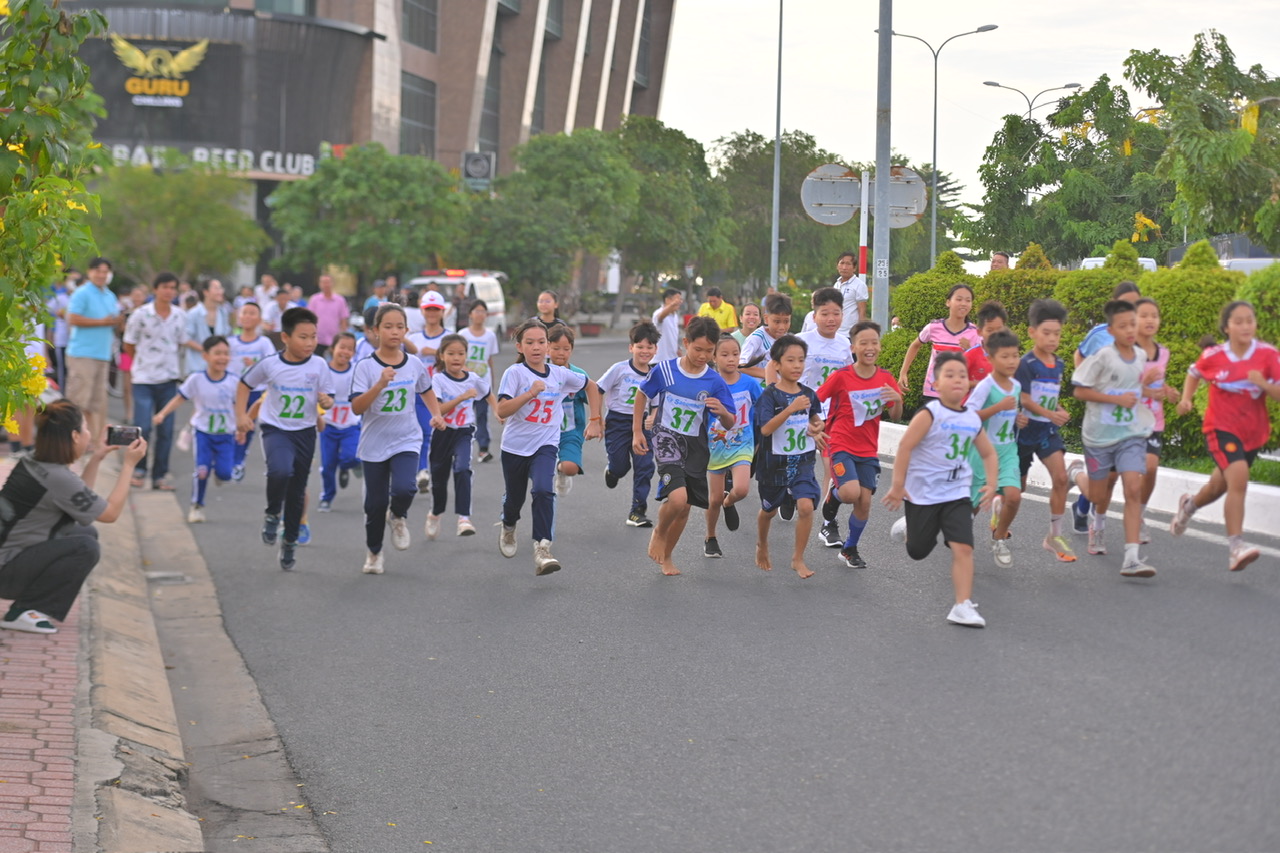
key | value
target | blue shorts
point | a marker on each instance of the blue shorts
(845, 468)
(571, 448)
(1050, 444)
(803, 485)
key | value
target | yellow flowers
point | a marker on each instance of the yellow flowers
(1141, 225)
(1249, 119)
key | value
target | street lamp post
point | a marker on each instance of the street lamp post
(1031, 102)
(933, 233)
(777, 168)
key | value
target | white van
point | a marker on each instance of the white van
(485, 285)
(1148, 264)
(1247, 265)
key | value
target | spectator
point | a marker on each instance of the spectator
(667, 319)
(331, 310)
(999, 261)
(265, 292)
(272, 312)
(393, 287)
(244, 297)
(719, 310)
(379, 295)
(93, 314)
(57, 305)
(153, 338)
(854, 291)
(51, 546)
(212, 316)
(122, 376)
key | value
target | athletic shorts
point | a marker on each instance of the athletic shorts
(1049, 445)
(845, 468)
(694, 483)
(1128, 456)
(804, 484)
(1226, 448)
(1155, 444)
(953, 519)
(1009, 475)
(571, 448)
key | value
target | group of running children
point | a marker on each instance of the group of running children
(721, 413)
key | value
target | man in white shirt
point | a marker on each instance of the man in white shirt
(154, 337)
(854, 291)
(667, 319)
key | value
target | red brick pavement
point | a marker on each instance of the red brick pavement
(38, 677)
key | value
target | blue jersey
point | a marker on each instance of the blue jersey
(1098, 338)
(681, 399)
(737, 443)
(1043, 383)
(790, 447)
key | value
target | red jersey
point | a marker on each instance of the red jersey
(1236, 405)
(854, 423)
(979, 364)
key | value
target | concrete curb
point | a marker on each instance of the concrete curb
(130, 763)
(1262, 503)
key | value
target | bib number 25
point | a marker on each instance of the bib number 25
(541, 411)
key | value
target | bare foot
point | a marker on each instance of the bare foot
(655, 548)
(669, 568)
(801, 569)
(762, 556)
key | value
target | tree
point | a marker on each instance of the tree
(47, 111)
(1224, 137)
(529, 239)
(369, 211)
(182, 219)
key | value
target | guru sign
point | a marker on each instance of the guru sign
(158, 80)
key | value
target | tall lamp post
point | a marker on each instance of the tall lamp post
(777, 169)
(1031, 102)
(933, 191)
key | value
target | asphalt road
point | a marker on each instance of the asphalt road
(458, 699)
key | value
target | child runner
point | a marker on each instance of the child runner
(952, 334)
(788, 417)
(931, 480)
(827, 352)
(732, 447)
(1115, 431)
(426, 342)
(1039, 376)
(619, 385)
(777, 322)
(1155, 391)
(861, 395)
(213, 393)
(667, 320)
(995, 399)
(340, 427)
(482, 346)
(684, 389)
(549, 309)
(390, 436)
(991, 318)
(1243, 374)
(458, 390)
(247, 349)
(530, 399)
(573, 423)
(297, 381)
(368, 343)
(750, 319)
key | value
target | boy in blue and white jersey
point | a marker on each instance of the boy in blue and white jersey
(340, 430)
(247, 349)
(573, 426)
(688, 395)
(213, 393)
(619, 385)
(756, 348)
(297, 382)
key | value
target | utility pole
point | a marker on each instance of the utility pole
(884, 100)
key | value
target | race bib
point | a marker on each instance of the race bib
(569, 422)
(1115, 415)
(866, 404)
(1045, 395)
(340, 415)
(792, 438)
(682, 415)
(216, 422)
(1002, 427)
(458, 417)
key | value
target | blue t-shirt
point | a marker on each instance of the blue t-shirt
(1044, 385)
(781, 456)
(93, 341)
(737, 443)
(681, 398)
(1099, 337)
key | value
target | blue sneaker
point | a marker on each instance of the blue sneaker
(270, 526)
(304, 534)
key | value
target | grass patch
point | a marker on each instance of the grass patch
(1263, 471)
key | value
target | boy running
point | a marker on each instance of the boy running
(340, 426)
(247, 349)
(991, 318)
(756, 348)
(619, 385)
(995, 399)
(482, 346)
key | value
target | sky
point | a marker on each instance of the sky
(721, 72)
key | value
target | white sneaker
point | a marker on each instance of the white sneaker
(564, 484)
(1144, 534)
(997, 504)
(1097, 542)
(1075, 469)
(507, 540)
(424, 481)
(543, 562)
(1242, 556)
(432, 526)
(31, 622)
(465, 527)
(966, 613)
(1186, 509)
(898, 533)
(372, 563)
(195, 515)
(1001, 554)
(1137, 569)
(399, 532)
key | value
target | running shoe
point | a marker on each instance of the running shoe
(830, 534)
(787, 509)
(304, 534)
(610, 480)
(1186, 509)
(288, 554)
(1097, 542)
(237, 473)
(344, 477)
(731, 519)
(898, 532)
(711, 548)
(372, 564)
(399, 532)
(564, 483)
(1001, 554)
(1241, 556)
(270, 526)
(997, 503)
(544, 563)
(28, 621)
(1144, 534)
(638, 519)
(966, 613)
(485, 455)
(424, 481)
(432, 526)
(851, 558)
(195, 515)
(1060, 548)
(507, 540)
(1136, 568)
(465, 527)
(325, 506)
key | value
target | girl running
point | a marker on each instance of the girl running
(574, 423)
(458, 391)
(1155, 391)
(953, 334)
(732, 447)
(340, 426)
(382, 391)
(549, 309)
(1242, 373)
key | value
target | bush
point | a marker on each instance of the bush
(1085, 292)
(1035, 278)
(893, 349)
(923, 297)
(1262, 288)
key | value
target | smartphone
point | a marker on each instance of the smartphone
(123, 436)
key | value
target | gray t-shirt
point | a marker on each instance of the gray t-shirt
(40, 499)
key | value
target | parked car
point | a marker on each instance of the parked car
(470, 284)
(1148, 264)
(1247, 265)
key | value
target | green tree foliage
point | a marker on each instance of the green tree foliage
(183, 219)
(1090, 171)
(1085, 292)
(369, 211)
(1262, 289)
(47, 111)
(1034, 278)
(1223, 150)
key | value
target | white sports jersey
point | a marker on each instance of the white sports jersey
(537, 423)
(825, 357)
(214, 401)
(1001, 427)
(364, 349)
(480, 348)
(245, 354)
(341, 416)
(422, 341)
(448, 387)
(293, 389)
(618, 385)
(854, 290)
(390, 425)
(756, 348)
(938, 471)
(1106, 371)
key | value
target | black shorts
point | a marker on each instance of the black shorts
(1046, 447)
(694, 483)
(1155, 444)
(953, 519)
(1226, 448)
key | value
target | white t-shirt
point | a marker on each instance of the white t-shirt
(245, 354)
(390, 425)
(451, 388)
(809, 325)
(1106, 424)
(825, 357)
(854, 290)
(292, 397)
(271, 313)
(341, 416)
(422, 341)
(414, 320)
(669, 327)
(480, 348)
(757, 344)
(536, 424)
(619, 385)
(214, 401)
(158, 343)
(938, 471)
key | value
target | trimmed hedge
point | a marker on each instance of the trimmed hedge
(1035, 278)
(923, 298)
(1085, 292)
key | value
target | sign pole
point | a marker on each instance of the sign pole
(864, 217)
(884, 100)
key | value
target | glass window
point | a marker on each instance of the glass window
(555, 18)
(419, 21)
(539, 121)
(489, 115)
(286, 7)
(643, 49)
(417, 115)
